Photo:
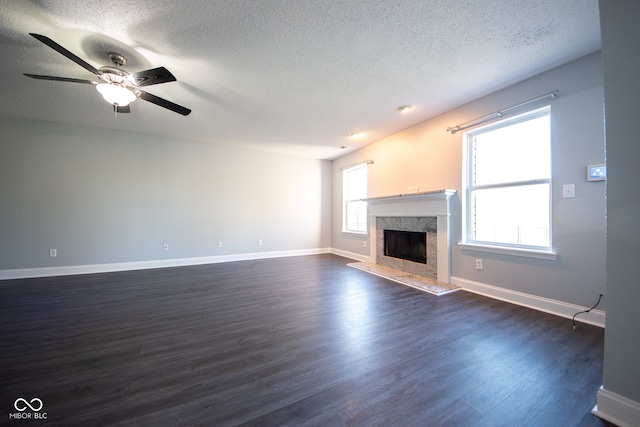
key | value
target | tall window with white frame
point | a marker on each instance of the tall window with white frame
(354, 210)
(507, 197)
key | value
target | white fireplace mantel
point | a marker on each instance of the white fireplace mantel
(424, 204)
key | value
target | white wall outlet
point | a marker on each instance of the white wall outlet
(165, 247)
(53, 253)
(364, 243)
(259, 242)
(568, 191)
(479, 265)
(219, 244)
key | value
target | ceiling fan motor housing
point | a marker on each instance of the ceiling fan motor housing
(117, 58)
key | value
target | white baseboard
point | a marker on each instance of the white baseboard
(617, 409)
(144, 265)
(558, 308)
(352, 255)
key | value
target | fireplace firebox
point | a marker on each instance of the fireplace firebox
(407, 245)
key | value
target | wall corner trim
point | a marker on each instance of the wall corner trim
(555, 307)
(617, 409)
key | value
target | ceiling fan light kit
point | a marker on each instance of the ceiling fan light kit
(115, 94)
(117, 86)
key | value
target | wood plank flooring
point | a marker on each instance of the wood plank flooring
(286, 342)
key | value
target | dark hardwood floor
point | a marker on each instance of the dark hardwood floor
(286, 342)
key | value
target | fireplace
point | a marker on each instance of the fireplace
(407, 245)
(427, 213)
(420, 231)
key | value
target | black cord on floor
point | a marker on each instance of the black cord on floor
(585, 311)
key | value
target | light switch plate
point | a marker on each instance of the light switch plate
(568, 191)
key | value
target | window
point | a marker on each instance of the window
(507, 197)
(354, 181)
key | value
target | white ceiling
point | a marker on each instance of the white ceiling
(288, 76)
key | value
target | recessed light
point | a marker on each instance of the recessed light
(356, 135)
(404, 108)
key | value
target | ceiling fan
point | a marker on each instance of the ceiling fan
(117, 86)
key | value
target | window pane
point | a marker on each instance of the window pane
(512, 215)
(518, 152)
(357, 216)
(355, 210)
(357, 180)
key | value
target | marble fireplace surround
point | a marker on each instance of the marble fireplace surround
(414, 212)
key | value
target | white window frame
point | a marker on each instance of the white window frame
(541, 252)
(347, 199)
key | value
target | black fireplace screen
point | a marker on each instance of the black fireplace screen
(408, 245)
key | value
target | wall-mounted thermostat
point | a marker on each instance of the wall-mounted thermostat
(597, 172)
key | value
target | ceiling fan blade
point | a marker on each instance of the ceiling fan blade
(60, 79)
(151, 77)
(164, 103)
(55, 46)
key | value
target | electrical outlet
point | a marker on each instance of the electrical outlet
(219, 244)
(165, 247)
(259, 242)
(479, 265)
(53, 253)
(364, 244)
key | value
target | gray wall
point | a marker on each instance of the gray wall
(427, 156)
(103, 197)
(621, 58)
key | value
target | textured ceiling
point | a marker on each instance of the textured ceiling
(288, 76)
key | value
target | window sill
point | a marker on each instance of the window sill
(354, 233)
(528, 253)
